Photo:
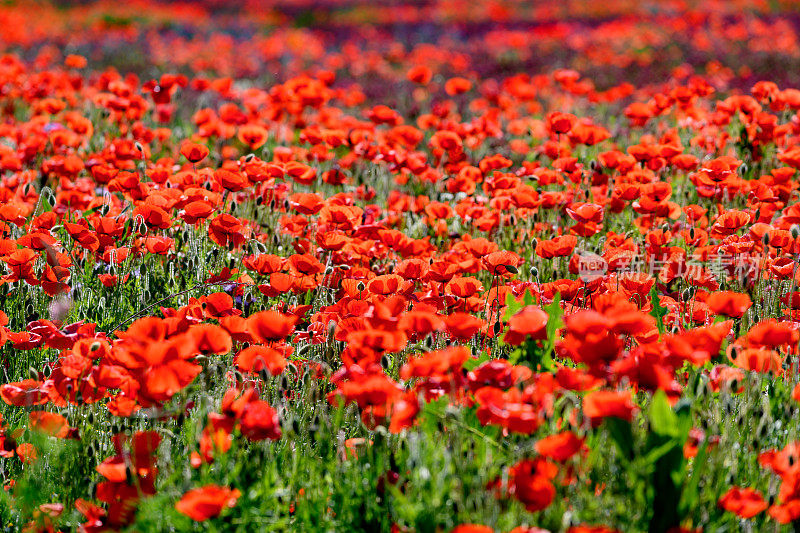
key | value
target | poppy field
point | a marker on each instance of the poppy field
(436, 266)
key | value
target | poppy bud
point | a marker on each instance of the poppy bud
(497, 327)
(249, 157)
(512, 269)
(33, 374)
(47, 371)
(691, 233)
(360, 286)
(386, 363)
(765, 239)
(139, 146)
(742, 169)
(795, 229)
(534, 272)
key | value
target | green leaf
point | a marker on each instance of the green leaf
(690, 494)
(515, 356)
(513, 306)
(663, 419)
(474, 362)
(657, 452)
(431, 413)
(622, 435)
(658, 311)
(554, 318)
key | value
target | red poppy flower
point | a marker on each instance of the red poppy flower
(52, 424)
(270, 325)
(530, 482)
(744, 502)
(732, 304)
(560, 446)
(528, 323)
(601, 404)
(257, 358)
(193, 152)
(207, 502)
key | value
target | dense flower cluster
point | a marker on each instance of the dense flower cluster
(499, 296)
